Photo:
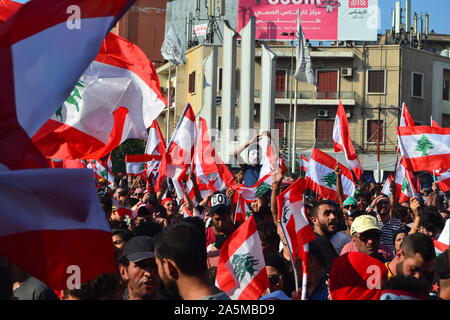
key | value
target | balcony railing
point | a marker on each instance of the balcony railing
(311, 95)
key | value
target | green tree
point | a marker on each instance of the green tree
(423, 145)
(330, 180)
(243, 264)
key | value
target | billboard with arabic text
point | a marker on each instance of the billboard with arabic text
(322, 20)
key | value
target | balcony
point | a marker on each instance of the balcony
(311, 97)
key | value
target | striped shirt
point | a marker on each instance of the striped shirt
(387, 231)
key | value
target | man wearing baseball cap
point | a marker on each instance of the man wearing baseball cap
(366, 235)
(139, 270)
(220, 217)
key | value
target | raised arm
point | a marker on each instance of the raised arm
(278, 178)
(339, 189)
(237, 152)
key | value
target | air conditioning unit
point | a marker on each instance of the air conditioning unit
(346, 72)
(323, 114)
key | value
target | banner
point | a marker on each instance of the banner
(322, 20)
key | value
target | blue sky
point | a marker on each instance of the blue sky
(439, 11)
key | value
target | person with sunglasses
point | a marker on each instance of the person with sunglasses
(366, 235)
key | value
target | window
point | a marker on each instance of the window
(220, 78)
(376, 81)
(417, 85)
(327, 84)
(324, 133)
(192, 82)
(446, 90)
(280, 125)
(374, 129)
(280, 80)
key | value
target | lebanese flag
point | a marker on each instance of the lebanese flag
(434, 123)
(7, 9)
(156, 146)
(424, 148)
(444, 181)
(179, 152)
(387, 185)
(102, 171)
(136, 164)
(405, 117)
(270, 161)
(117, 98)
(443, 242)
(209, 167)
(292, 217)
(321, 178)
(241, 272)
(343, 141)
(255, 191)
(31, 91)
(404, 184)
(304, 163)
(242, 210)
(56, 225)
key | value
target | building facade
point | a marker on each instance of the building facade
(371, 81)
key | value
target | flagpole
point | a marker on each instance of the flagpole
(290, 256)
(305, 270)
(169, 103)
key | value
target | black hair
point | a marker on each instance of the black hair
(407, 283)
(185, 244)
(124, 234)
(196, 221)
(105, 202)
(402, 229)
(143, 212)
(431, 220)
(268, 232)
(419, 243)
(104, 287)
(147, 228)
(131, 202)
(114, 224)
(315, 209)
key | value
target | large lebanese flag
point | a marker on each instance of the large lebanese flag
(424, 148)
(117, 98)
(31, 90)
(321, 178)
(45, 228)
(241, 272)
(136, 164)
(209, 167)
(179, 152)
(7, 9)
(343, 141)
(292, 217)
(406, 119)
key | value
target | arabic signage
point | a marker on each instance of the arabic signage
(323, 20)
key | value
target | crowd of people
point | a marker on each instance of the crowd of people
(168, 248)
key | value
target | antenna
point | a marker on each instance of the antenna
(416, 22)
(427, 23)
(398, 16)
(393, 18)
(408, 16)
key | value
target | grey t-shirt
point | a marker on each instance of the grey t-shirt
(218, 296)
(33, 289)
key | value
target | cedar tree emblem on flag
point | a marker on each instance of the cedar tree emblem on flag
(330, 179)
(71, 99)
(243, 264)
(262, 189)
(423, 145)
(405, 185)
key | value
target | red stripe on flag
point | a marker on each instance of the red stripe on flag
(18, 27)
(324, 192)
(435, 162)
(49, 253)
(256, 288)
(408, 131)
(439, 245)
